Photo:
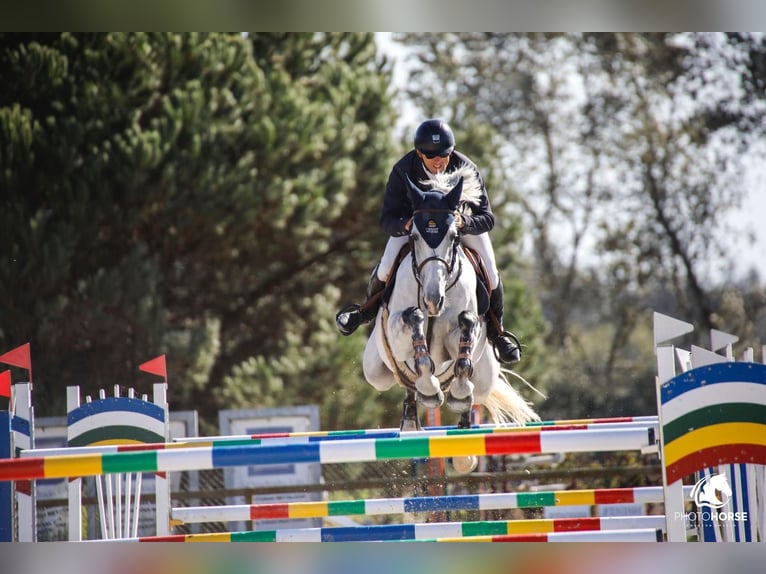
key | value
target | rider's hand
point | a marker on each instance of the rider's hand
(408, 225)
(459, 221)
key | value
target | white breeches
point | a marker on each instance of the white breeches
(480, 243)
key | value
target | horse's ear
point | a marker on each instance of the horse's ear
(416, 195)
(453, 197)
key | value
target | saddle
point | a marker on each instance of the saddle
(482, 278)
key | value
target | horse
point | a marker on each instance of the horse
(429, 336)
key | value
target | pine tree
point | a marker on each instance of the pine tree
(203, 195)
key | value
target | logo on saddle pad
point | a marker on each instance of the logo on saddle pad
(705, 491)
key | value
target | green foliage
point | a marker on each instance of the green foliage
(200, 195)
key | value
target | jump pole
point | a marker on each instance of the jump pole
(310, 436)
(133, 459)
(383, 506)
(431, 530)
(635, 535)
(306, 438)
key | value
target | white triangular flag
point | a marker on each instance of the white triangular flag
(667, 328)
(719, 339)
(702, 357)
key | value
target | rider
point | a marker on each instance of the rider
(434, 151)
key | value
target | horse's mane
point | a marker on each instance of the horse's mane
(446, 180)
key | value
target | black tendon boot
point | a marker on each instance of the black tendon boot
(352, 316)
(507, 347)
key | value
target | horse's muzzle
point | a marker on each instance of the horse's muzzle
(434, 308)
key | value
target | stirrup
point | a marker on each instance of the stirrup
(348, 319)
(515, 351)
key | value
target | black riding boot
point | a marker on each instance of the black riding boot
(507, 346)
(352, 316)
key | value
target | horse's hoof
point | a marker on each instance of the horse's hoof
(431, 401)
(465, 464)
(463, 368)
(409, 425)
(459, 405)
(428, 385)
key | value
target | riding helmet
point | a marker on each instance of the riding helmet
(434, 137)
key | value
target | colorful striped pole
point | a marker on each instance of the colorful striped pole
(631, 535)
(379, 506)
(428, 531)
(341, 451)
(308, 438)
(572, 424)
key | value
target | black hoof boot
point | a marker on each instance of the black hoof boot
(352, 316)
(507, 348)
(348, 319)
(410, 420)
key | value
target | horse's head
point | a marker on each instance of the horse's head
(434, 241)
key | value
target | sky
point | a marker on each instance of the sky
(750, 218)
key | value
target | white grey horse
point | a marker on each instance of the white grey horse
(429, 337)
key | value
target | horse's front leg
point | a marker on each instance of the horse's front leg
(427, 385)
(461, 390)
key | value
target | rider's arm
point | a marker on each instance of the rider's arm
(397, 210)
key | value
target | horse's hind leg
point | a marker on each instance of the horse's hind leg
(375, 370)
(410, 419)
(461, 390)
(427, 385)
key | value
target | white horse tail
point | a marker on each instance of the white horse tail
(506, 405)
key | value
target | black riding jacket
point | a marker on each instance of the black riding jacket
(397, 208)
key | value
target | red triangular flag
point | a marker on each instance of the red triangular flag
(156, 367)
(5, 384)
(18, 357)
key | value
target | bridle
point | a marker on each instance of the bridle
(417, 268)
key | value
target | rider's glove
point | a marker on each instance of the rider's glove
(459, 221)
